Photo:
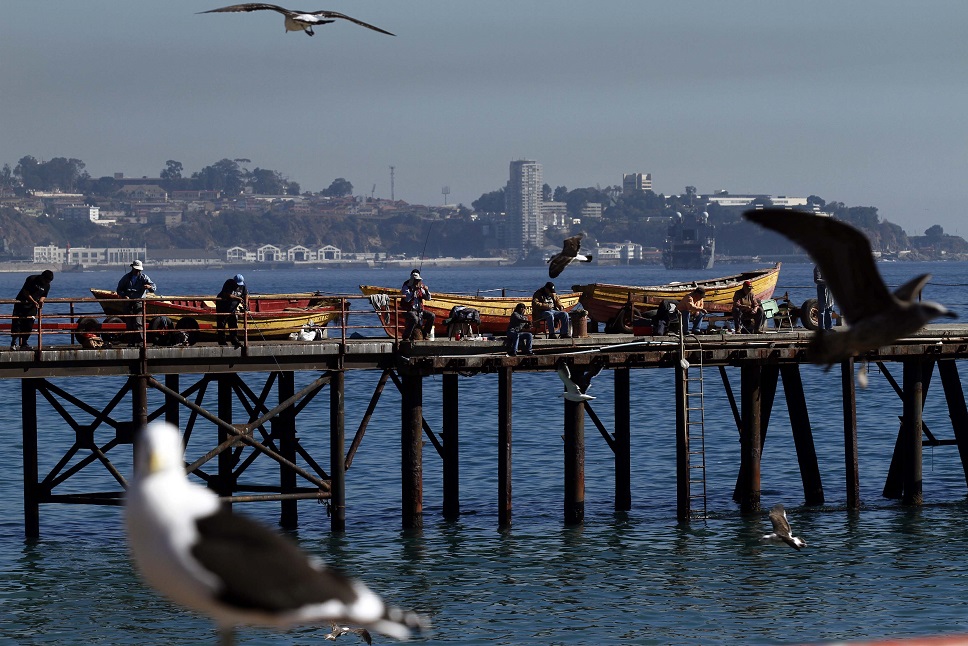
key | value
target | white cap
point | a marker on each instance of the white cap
(415, 274)
(137, 265)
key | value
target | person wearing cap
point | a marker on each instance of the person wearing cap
(747, 310)
(30, 300)
(547, 307)
(692, 309)
(415, 292)
(134, 285)
(233, 298)
(824, 301)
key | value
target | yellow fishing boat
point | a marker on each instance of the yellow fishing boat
(605, 303)
(495, 311)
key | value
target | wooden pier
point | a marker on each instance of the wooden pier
(262, 425)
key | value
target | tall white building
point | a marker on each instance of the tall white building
(636, 183)
(523, 202)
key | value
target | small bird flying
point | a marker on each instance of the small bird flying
(298, 20)
(196, 552)
(572, 391)
(567, 255)
(875, 316)
(781, 529)
(338, 631)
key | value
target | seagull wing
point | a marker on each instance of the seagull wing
(251, 6)
(781, 526)
(571, 245)
(558, 263)
(843, 254)
(343, 16)
(909, 291)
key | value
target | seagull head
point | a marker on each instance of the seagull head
(929, 310)
(159, 450)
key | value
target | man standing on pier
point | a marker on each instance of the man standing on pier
(30, 300)
(233, 298)
(414, 294)
(134, 285)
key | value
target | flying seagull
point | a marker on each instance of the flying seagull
(196, 552)
(875, 316)
(568, 254)
(298, 20)
(338, 631)
(572, 391)
(781, 529)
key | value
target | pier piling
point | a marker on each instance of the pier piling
(450, 433)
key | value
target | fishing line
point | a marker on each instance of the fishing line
(426, 240)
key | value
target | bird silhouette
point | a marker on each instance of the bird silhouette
(572, 391)
(338, 631)
(195, 551)
(875, 317)
(781, 529)
(567, 255)
(298, 20)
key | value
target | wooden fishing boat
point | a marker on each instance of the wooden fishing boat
(270, 316)
(605, 303)
(495, 311)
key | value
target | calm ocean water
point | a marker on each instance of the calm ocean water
(628, 578)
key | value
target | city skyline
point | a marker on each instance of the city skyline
(856, 103)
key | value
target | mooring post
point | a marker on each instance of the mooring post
(957, 410)
(411, 402)
(28, 406)
(852, 471)
(750, 443)
(574, 462)
(223, 484)
(911, 432)
(623, 440)
(337, 450)
(504, 448)
(172, 405)
(802, 434)
(284, 428)
(449, 430)
(682, 446)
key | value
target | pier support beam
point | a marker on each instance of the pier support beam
(411, 403)
(284, 429)
(955, 396)
(139, 400)
(574, 463)
(224, 482)
(802, 435)
(28, 405)
(750, 442)
(623, 440)
(852, 471)
(911, 433)
(172, 405)
(504, 448)
(337, 451)
(682, 447)
(450, 432)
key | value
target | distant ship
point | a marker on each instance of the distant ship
(691, 242)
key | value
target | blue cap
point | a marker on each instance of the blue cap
(239, 280)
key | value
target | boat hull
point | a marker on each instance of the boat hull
(273, 316)
(606, 302)
(495, 311)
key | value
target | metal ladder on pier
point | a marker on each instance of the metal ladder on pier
(695, 432)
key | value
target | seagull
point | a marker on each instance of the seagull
(568, 254)
(192, 549)
(875, 316)
(298, 20)
(572, 391)
(338, 631)
(781, 529)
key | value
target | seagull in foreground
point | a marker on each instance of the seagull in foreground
(781, 529)
(196, 552)
(875, 316)
(567, 255)
(298, 20)
(338, 631)
(572, 391)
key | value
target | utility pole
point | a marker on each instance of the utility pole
(392, 197)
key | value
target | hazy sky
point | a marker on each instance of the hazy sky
(863, 102)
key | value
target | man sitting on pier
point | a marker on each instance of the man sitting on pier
(134, 285)
(748, 315)
(414, 294)
(30, 299)
(692, 309)
(547, 307)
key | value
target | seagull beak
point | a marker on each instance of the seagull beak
(155, 462)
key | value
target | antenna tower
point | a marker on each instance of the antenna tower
(392, 197)
(445, 191)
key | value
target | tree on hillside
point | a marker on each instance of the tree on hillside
(492, 202)
(561, 192)
(935, 231)
(224, 175)
(267, 182)
(338, 188)
(546, 193)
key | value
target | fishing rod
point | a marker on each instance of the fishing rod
(426, 240)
